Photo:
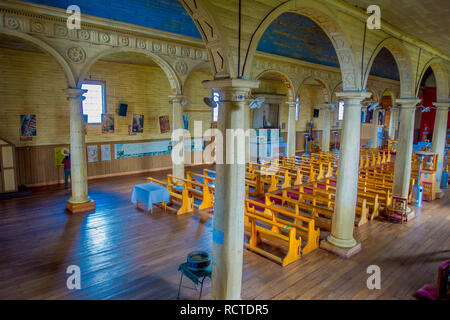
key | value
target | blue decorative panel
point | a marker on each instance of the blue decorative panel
(165, 15)
(385, 66)
(296, 36)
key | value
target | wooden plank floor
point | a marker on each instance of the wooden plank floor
(125, 253)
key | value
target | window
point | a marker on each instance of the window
(341, 108)
(297, 108)
(215, 110)
(94, 102)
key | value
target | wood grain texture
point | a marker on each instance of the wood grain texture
(125, 253)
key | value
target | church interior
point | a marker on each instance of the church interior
(224, 150)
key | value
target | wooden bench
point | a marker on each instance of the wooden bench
(263, 231)
(305, 226)
(183, 197)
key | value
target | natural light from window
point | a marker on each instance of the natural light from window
(341, 108)
(93, 104)
(215, 111)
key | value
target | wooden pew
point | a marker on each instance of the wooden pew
(263, 230)
(305, 226)
(183, 197)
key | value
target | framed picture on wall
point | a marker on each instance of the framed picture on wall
(137, 125)
(107, 123)
(92, 153)
(164, 124)
(106, 152)
(28, 125)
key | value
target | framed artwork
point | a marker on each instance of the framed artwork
(106, 152)
(28, 125)
(137, 125)
(107, 123)
(164, 124)
(92, 153)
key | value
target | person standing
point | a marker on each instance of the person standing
(67, 170)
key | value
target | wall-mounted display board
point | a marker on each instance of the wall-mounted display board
(154, 148)
(143, 149)
(194, 145)
(60, 154)
(106, 152)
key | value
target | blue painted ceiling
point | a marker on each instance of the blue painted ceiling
(296, 36)
(290, 35)
(165, 15)
(385, 66)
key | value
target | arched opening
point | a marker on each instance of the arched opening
(276, 89)
(313, 119)
(197, 116)
(35, 110)
(392, 114)
(137, 114)
(307, 33)
(425, 117)
(391, 61)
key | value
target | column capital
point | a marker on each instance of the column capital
(442, 105)
(177, 98)
(232, 89)
(408, 103)
(354, 95)
(291, 103)
(231, 83)
(74, 93)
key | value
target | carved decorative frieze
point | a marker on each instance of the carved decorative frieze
(56, 27)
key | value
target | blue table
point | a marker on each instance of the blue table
(149, 194)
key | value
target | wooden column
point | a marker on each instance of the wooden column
(228, 225)
(80, 201)
(374, 139)
(177, 144)
(341, 241)
(439, 139)
(326, 109)
(402, 170)
(292, 130)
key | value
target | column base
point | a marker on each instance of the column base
(410, 213)
(344, 253)
(86, 207)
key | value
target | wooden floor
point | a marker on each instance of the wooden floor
(125, 253)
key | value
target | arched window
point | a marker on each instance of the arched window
(94, 103)
(215, 110)
(297, 108)
(341, 107)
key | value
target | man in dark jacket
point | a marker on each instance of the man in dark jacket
(67, 174)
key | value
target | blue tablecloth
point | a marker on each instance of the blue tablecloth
(150, 193)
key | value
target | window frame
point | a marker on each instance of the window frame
(338, 110)
(218, 106)
(104, 108)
